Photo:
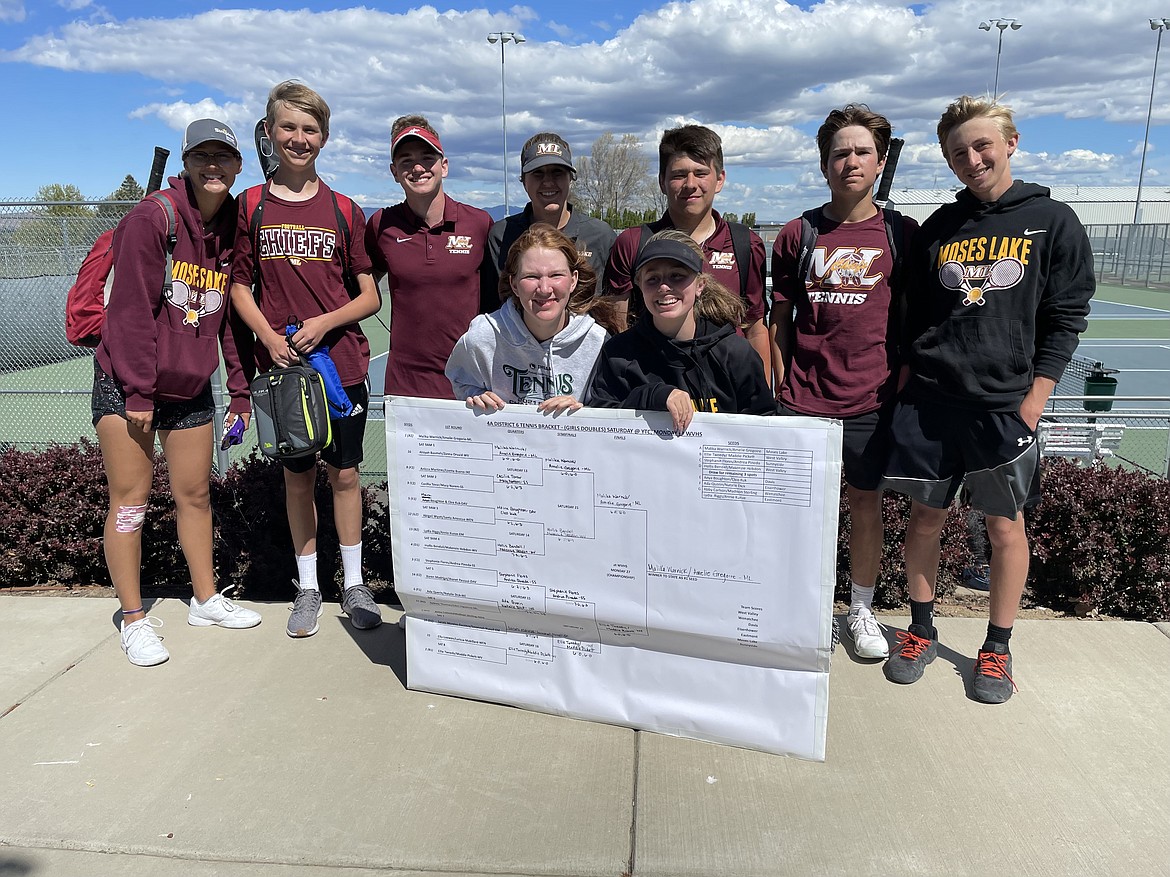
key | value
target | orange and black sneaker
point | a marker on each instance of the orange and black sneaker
(993, 674)
(914, 648)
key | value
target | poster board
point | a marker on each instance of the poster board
(597, 565)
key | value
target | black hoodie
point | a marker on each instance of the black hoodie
(718, 369)
(998, 295)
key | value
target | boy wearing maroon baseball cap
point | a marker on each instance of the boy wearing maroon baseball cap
(433, 252)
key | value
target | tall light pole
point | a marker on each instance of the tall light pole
(1158, 24)
(1003, 24)
(501, 37)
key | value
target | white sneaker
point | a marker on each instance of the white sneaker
(220, 610)
(866, 633)
(141, 644)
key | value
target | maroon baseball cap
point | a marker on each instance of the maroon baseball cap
(423, 134)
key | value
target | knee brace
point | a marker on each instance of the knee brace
(130, 518)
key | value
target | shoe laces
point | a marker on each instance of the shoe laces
(143, 628)
(868, 623)
(994, 665)
(910, 645)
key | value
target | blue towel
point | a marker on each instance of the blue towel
(321, 362)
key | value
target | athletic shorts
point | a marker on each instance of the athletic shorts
(992, 455)
(865, 445)
(349, 433)
(110, 398)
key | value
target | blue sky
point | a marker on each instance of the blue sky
(93, 86)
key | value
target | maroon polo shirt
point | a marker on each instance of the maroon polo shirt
(718, 251)
(435, 289)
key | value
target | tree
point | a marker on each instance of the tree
(749, 219)
(66, 196)
(129, 191)
(615, 177)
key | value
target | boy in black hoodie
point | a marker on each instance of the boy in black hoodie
(999, 288)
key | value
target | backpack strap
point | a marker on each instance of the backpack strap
(809, 231)
(168, 207)
(896, 236)
(255, 213)
(741, 246)
(345, 226)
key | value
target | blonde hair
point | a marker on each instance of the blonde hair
(717, 303)
(298, 96)
(966, 108)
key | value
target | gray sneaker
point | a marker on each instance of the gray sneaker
(358, 603)
(306, 609)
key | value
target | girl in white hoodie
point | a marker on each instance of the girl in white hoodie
(540, 347)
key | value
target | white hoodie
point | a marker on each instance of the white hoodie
(498, 353)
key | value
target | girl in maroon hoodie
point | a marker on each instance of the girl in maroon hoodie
(152, 373)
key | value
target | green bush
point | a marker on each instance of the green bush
(1100, 538)
(53, 504)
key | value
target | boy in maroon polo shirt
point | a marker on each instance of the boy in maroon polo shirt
(691, 174)
(835, 359)
(433, 251)
(299, 250)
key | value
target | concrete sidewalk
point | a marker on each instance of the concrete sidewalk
(249, 753)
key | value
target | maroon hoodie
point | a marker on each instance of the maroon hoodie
(167, 347)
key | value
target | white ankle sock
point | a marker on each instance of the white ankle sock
(351, 564)
(307, 569)
(861, 598)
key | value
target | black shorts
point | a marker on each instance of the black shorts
(349, 434)
(109, 397)
(992, 455)
(865, 445)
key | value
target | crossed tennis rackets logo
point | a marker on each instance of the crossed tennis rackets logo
(1001, 274)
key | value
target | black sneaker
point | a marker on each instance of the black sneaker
(916, 647)
(993, 674)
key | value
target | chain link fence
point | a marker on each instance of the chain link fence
(45, 381)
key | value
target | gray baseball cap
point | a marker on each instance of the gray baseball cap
(207, 130)
(549, 149)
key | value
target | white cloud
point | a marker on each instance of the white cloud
(12, 10)
(756, 72)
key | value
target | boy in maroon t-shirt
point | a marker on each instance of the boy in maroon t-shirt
(831, 355)
(433, 251)
(299, 251)
(690, 175)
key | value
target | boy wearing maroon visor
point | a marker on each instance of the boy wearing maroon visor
(299, 250)
(433, 251)
(690, 175)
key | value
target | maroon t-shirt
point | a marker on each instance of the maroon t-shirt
(300, 249)
(720, 255)
(841, 365)
(434, 280)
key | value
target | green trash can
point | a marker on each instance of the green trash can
(1099, 383)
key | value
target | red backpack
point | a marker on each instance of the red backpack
(85, 305)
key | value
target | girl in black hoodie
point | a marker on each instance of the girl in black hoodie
(683, 355)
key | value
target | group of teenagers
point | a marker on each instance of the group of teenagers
(936, 346)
